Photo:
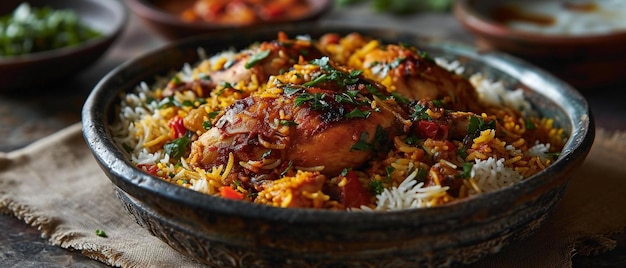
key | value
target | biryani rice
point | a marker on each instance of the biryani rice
(142, 129)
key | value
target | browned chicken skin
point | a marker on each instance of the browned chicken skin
(328, 126)
(412, 73)
(267, 59)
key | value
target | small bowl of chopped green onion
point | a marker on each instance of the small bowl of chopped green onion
(47, 40)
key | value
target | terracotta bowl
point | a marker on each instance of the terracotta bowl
(38, 69)
(585, 60)
(230, 233)
(172, 27)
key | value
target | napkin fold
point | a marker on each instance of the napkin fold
(56, 186)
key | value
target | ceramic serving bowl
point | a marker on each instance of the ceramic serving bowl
(580, 52)
(229, 233)
(37, 69)
(172, 27)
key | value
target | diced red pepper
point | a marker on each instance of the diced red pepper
(451, 146)
(177, 126)
(353, 194)
(427, 129)
(230, 193)
(150, 168)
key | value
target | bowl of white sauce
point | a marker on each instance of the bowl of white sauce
(581, 41)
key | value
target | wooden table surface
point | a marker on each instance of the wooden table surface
(29, 115)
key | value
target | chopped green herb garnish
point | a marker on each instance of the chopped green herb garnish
(177, 148)
(462, 152)
(256, 58)
(319, 79)
(355, 73)
(389, 170)
(101, 233)
(381, 138)
(349, 97)
(374, 91)
(420, 113)
(344, 172)
(287, 122)
(30, 29)
(472, 127)
(362, 144)
(266, 154)
(188, 103)
(207, 125)
(331, 74)
(529, 124)
(225, 85)
(213, 114)
(316, 101)
(422, 173)
(411, 140)
(399, 98)
(220, 91)
(467, 169)
(302, 98)
(477, 124)
(289, 91)
(376, 187)
(378, 144)
(356, 113)
(438, 103)
(553, 155)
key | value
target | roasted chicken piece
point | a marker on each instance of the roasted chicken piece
(324, 119)
(407, 71)
(262, 61)
(416, 77)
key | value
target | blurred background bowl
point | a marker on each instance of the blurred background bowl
(585, 59)
(172, 27)
(39, 68)
(222, 232)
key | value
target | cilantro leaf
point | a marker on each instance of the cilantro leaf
(177, 147)
(256, 58)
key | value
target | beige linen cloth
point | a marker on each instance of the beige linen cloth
(56, 186)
